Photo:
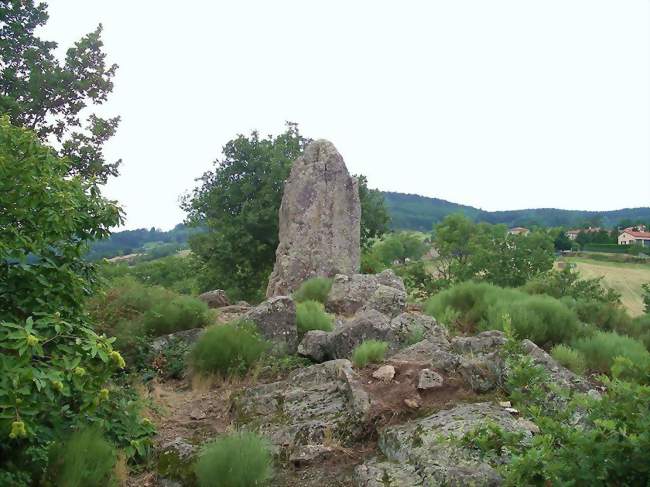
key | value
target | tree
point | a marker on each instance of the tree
(374, 214)
(238, 202)
(39, 92)
(646, 297)
(53, 367)
(488, 252)
(562, 242)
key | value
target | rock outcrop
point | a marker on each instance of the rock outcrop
(320, 219)
(383, 292)
(215, 299)
(276, 321)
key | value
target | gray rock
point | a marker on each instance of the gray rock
(384, 373)
(406, 324)
(559, 374)
(366, 325)
(180, 447)
(428, 379)
(482, 372)
(320, 219)
(215, 299)
(433, 354)
(276, 321)
(418, 453)
(485, 342)
(187, 337)
(383, 292)
(324, 402)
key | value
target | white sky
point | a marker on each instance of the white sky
(495, 104)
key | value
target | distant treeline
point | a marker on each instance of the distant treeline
(153, 242)
(407, 211)
(414, 212)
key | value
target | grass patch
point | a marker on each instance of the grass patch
(242, 459)
(601, 349)
(314, 289)
(311, 315)
(228, 349)
(569, 358)
(370, 351)
(176, 314)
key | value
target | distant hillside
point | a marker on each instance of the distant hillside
(414, 212)
(408, 212)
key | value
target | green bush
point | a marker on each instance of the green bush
(602, 348)
(85, 459)
(569, 358)
(242, 459)
(311, 315)
(314, 289)
(416, 335)
(542, 319)
(176, 314)
(228, 349)
(370, 351)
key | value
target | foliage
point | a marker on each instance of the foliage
(171, 361)
(228, 349)
(85, 458)
(311, 315)
(369, 352)
(239, 201)
(55, 370)
(398, 247)
(566, 282)
(488, 252)
(609, 447)
(569, 358)
(419, 282)
(646, 297)
(176, 314)
(602, 348)
(416, 335)
(40, 93)
(241, 459)
(542, 319)
(133, 313)
(375, 218)
(314, 289)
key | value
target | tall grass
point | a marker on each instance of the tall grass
(241, 459)
(601, 349)
(314, 289)
(227, 349)
(370, 351)
(311, 315)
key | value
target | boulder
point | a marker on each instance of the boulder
(320, 221)
(385, 373)
(383, 292)
(313, 406)
(215, 299)
(408, 324)
(366, 325)
(276, 321)
(186, 337)
(428, 379)
(420, 452)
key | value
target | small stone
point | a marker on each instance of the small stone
(429, 379)
(528, 425)
(412, 403)
(512, 411)
(197, 414)
(505, 404)
(385, 373)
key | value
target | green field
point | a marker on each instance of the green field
(623, 277)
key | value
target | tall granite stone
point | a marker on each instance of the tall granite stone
(320, 219)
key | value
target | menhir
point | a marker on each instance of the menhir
(320, 219)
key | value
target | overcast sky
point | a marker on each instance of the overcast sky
(495, 104)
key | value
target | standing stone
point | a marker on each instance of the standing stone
(320, 219)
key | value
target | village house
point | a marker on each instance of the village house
(634, 235)
(573, 234)
(518, 231)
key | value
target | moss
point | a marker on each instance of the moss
(172, 466)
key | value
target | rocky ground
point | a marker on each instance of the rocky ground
(396, 423)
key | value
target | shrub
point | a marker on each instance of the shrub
(569, 358)
(542, 319)
(310, 315)
(228, 349)
(370, 351)
(239, 460)
(314, 289)
(86, 458)
(176, 314)
(602, 348)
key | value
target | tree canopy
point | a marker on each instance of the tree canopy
(39, 92)
(238, 202)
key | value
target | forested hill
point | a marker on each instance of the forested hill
(414, 212)
(408, 212)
